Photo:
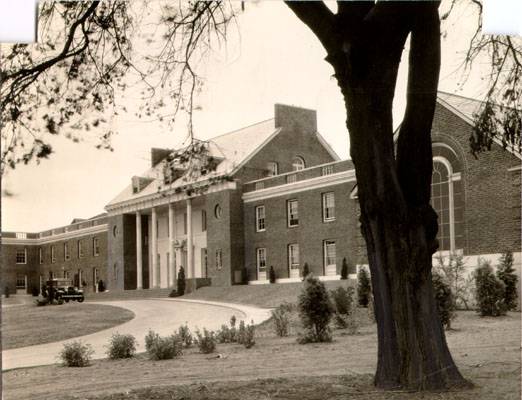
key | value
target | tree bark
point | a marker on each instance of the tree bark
(397, 221)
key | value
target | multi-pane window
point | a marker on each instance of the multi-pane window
(21, 256)
(292, 213)
(328, 206)
(273, 168)
(259, 185)
(298, 164)
(219, 259)
(20, 281)
(327, 170)
(329, 252)
(80, 249)
(66, 254)
(40, 255)
(260, 218)
(291, 178)
(440, 202)
(65, 274)
(293, 256)
(95, 246)
(203, 220)
(261, 259)
(53, 254)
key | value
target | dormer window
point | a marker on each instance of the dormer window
(298, 164)
(272, 168)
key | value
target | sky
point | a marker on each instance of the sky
(271, 58)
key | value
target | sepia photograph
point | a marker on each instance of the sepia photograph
(261, 200)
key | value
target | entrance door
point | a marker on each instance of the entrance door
(21, 284)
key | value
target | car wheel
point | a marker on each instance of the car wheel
(81, 299)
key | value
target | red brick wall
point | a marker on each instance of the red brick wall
(310, 233)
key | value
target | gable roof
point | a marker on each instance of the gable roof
(466, 108)
(234, 148)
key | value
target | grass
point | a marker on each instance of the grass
(57, 322)
(258, 295)
(487, 351)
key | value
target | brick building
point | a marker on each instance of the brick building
(271, 194)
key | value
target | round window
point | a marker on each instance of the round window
(115, 230)
(218, 211)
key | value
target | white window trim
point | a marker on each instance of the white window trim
(273, 168)
(53, 254)
(259, 251)
(451, 199)
(80, 249)
(66, 252)
(95, 241)
(25, 257)
(292, 265)
(325, 251)
(298, 163)
(258, 208)
(324, 197)
(288, 218)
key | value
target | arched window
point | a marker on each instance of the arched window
(442, 202)
(298, 163)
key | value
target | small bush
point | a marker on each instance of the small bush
(371, 308)
(281, 317)
(163, 348)
(490, 291)
(185, 335)
(101, 286)
(344, 270)
(444, 299)
(272, 274)
(506, 273)
(173, 293)
(6, 292)
(206, 341)
(309, 336)
(246, 334)
(363, 288)
(306, 271)
(346, 321)
(76, 354)
(315, 310)
(181, 282)
(121, 346)
(342, 299)
(34, 291)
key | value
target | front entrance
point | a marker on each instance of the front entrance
(21, 284)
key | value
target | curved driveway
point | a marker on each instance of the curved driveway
(163, 316)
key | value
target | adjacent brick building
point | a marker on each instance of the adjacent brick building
(271, 194)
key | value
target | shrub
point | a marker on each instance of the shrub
(444, 299)
(344, 270)
(226, 334)
(244, 276)
(185, 335)
(34, 291)
(490, 291)
(506, 273)
(206, 341)
(453, 270)
(76, 354)
(181, 281)
(272, 275)
(281, 317)
(163, 348)
(246, 334)
(306, 270)
(101, 286)
(371, 308)
(6, 292)
(342, 299)
(173, 293)
(121, 346)
(346, 321)
(363, 288)
(315, 310)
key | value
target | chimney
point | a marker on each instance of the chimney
(157, 155)
(297, 118)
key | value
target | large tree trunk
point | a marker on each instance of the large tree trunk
(397, 221)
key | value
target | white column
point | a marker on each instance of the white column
(172, 230)
(190, 252)
(139, 253)
(154, 248)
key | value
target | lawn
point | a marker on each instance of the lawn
(259, 295)
(487, 351)
(30, 325)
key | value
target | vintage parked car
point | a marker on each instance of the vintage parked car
(63, 290)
